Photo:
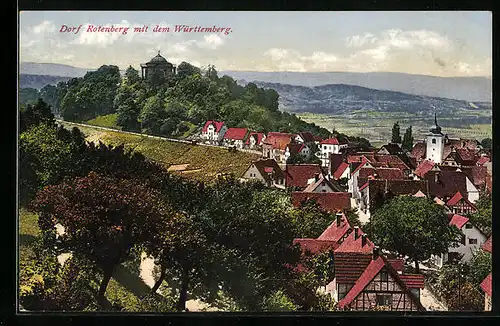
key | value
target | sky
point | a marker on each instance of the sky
(438, 43)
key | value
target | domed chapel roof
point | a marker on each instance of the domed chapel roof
(158, 59)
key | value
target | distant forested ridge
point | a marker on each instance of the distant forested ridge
(171, 105)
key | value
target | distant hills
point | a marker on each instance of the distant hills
(461, 88)
(39, 81)
(344, 99)
(52, 69)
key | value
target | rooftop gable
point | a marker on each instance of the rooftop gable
(297, 175)
(236, 133)
(217, 125)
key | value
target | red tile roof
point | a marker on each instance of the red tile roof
(363, 186)
(390, 161)
(413, 281)
(297, 175)
(372, 270)
(334, 232)
(217, 124)
(467, 156)
(306, 136)
(312, 186)
(397, 263)
(236, 133)
(424, 167)
(382, 173)
(328, 201)
(318, 139)
(278, 140)
(315, 246)
(482, 160)
(456, 199)
(349, 266)
(458, 220)
(330, 141)
(340, 170)
(488, 245)
(418, 151)
(259, 135)
(351, 244)
(486, 285)
(363, 162)
(295, 148)
(449, 182)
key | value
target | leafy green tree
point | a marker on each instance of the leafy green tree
(185, 69)
(132, 76)
(28, 95)
(407, 140)
(103, 217)
(483, 217)
(486, 143)
(35, 114)
(480, 266)
(278, 301)
(152, 115)
(127, 109)
(396, 136)
(413, 226)
(48, 93)
(310, 220)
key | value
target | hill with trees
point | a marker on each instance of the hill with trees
(170, 106)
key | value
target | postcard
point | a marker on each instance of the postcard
(254, 161)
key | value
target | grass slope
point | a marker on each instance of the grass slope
(205, 162)
(108, 121)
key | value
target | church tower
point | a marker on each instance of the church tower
(435, 143)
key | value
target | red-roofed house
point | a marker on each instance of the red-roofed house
(487, 246)
(298, 175)
(255, 140)
(297, 149)
(424, 167)
(327, 147)
(304, 138)
(459, 204)
(322, 184)
(482, 160)
(328, 201)
(342, 171)
(275, 144)
(266, 171)
(380, 286)
(471, 239)
(487, 288)
(445, 184)
(235, 137)
(213, 131)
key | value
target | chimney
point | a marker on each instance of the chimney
(375, 252)
(363, 240)
(436, 177)
(316, 176)
(356, 232)
(338, 217)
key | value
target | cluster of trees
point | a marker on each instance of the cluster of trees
(227, 238)
(458, 284)
(169, 105)
(482, 218)
(407, 141)
(412, 226)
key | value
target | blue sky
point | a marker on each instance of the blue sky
(432, 43)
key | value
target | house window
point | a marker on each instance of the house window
(383, 276)
(433, 140)
(343, 289)
(416, 292)
(468, 226)
(472, 241)
(323, 190)
(384, 299)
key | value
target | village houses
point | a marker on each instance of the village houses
(471, 239)
(235, 137)
(213, 132)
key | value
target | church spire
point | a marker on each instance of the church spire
(435, 114)
(158, 52)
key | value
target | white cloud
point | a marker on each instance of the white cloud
(44, 27)
(212, 41)
(357, 41)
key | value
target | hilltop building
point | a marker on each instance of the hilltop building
(158, 66)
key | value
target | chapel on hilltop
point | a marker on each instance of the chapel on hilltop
(157, 66)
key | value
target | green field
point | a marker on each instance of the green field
(204, 162)
(108, 121)
(377, 127)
